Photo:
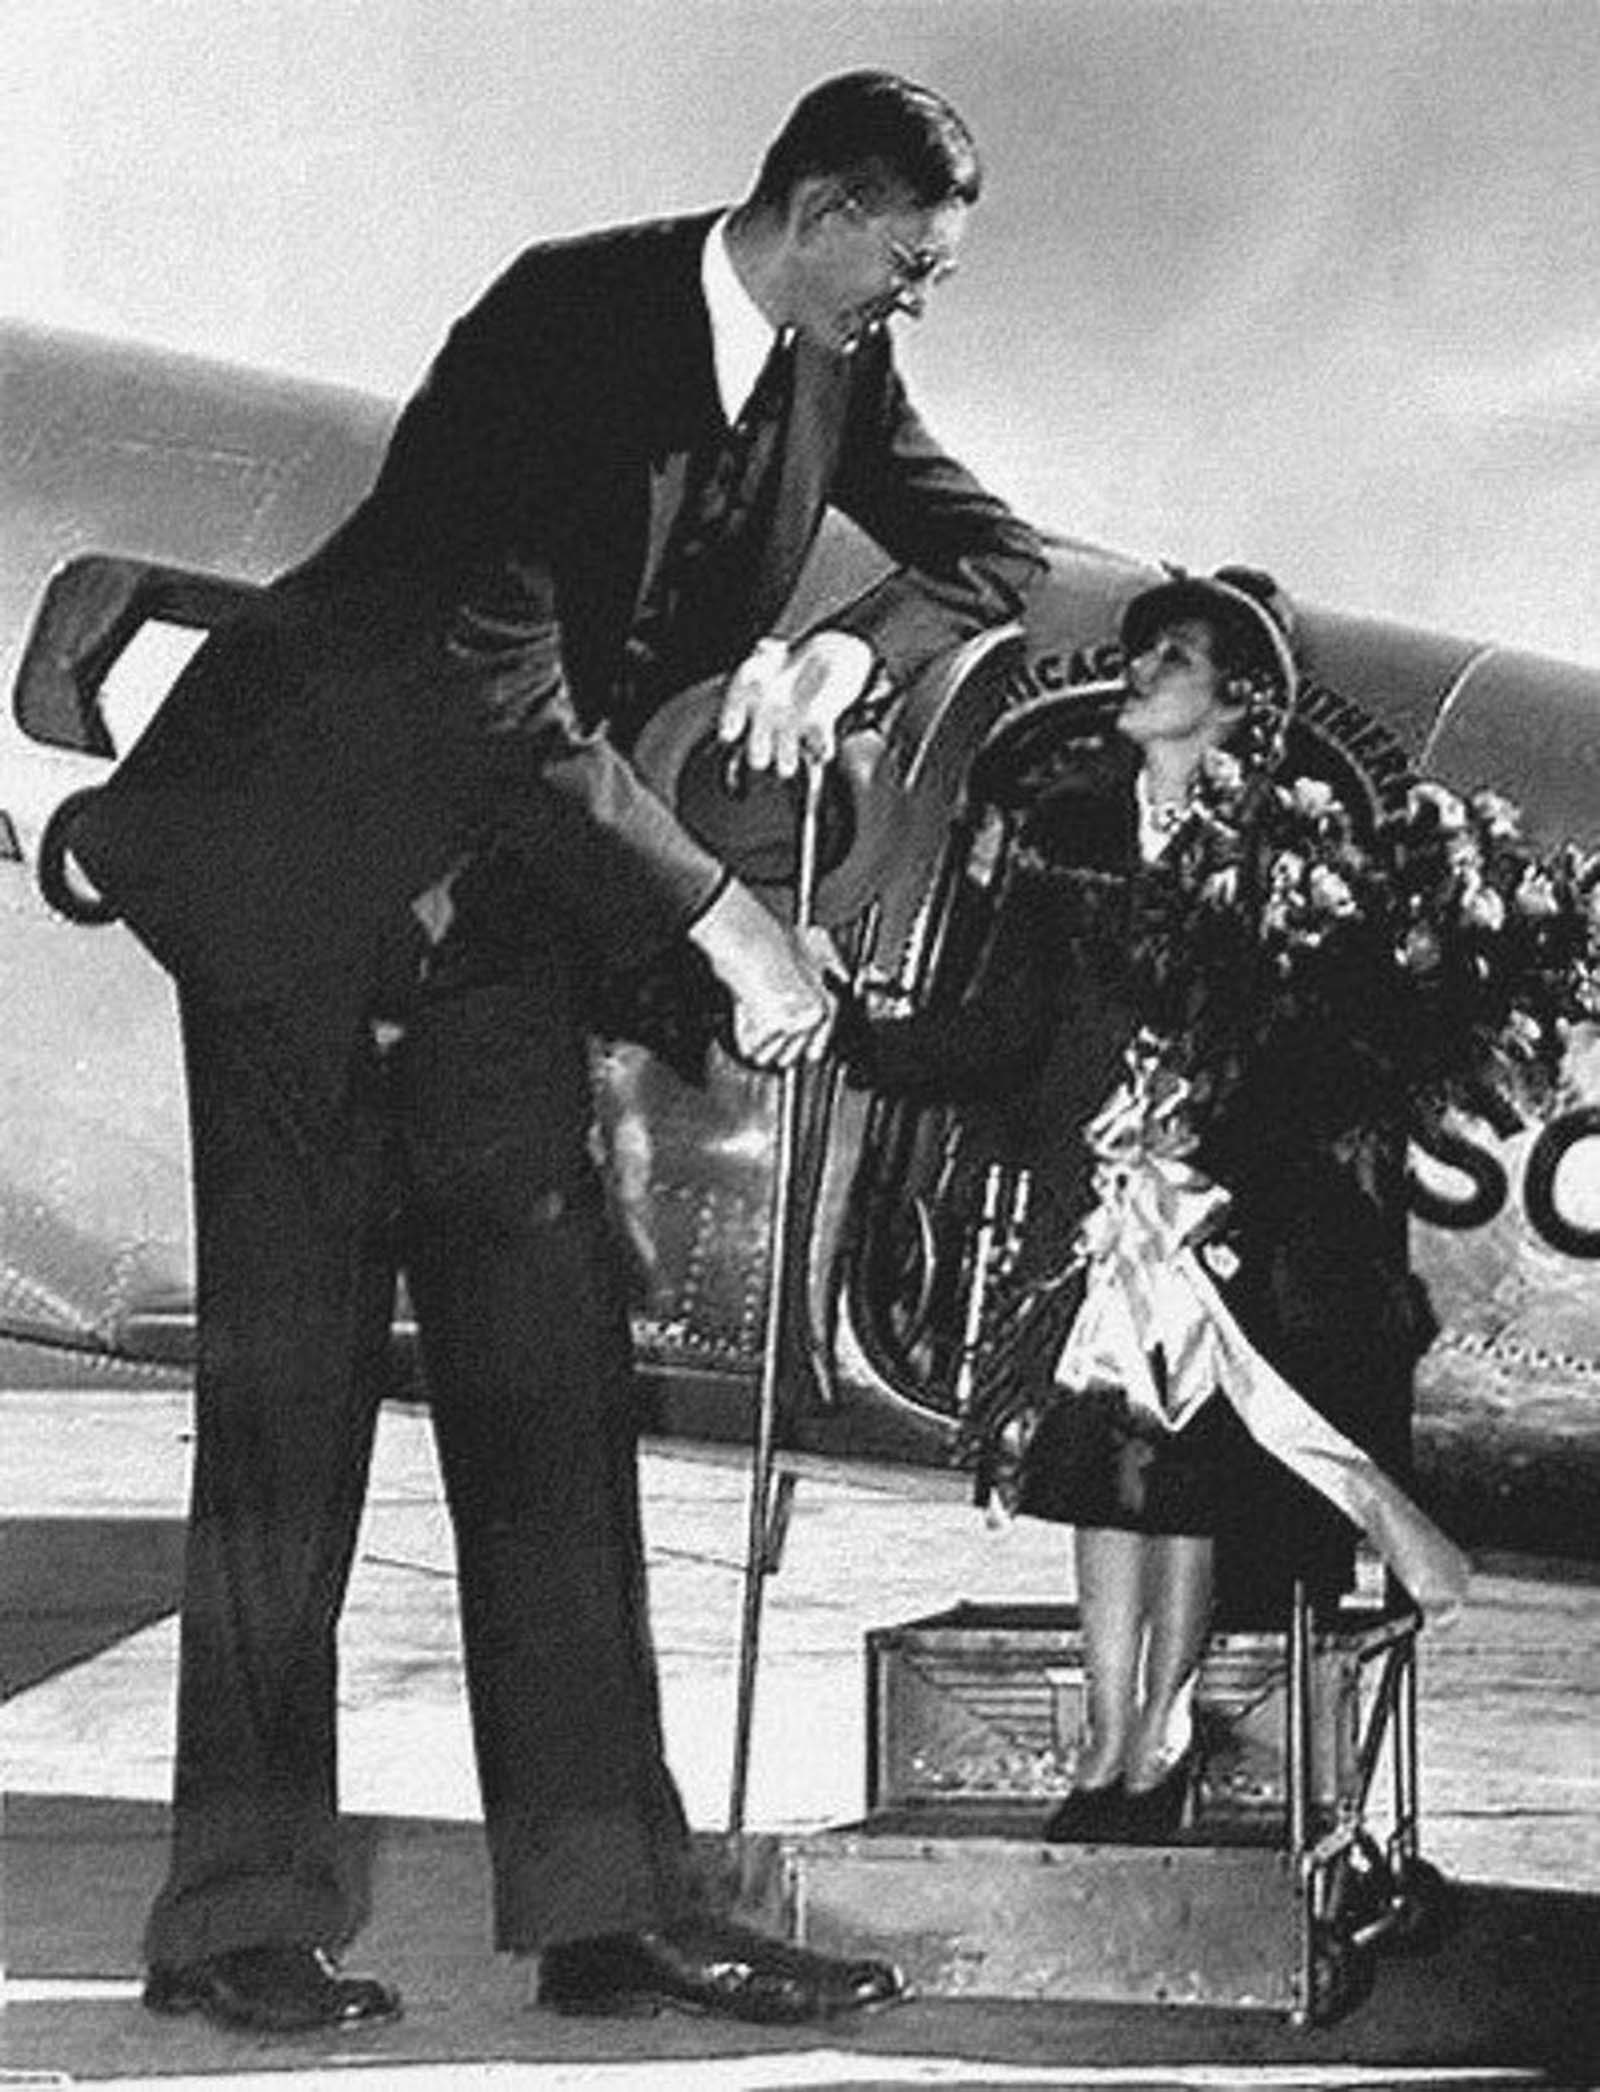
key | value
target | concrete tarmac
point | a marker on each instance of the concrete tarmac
(92, 1488)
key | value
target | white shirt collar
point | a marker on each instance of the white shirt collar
(741, 334)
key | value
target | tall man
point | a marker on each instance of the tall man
(374, 835)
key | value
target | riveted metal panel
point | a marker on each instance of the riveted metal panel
(1010, 1917)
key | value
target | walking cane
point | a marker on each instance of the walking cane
(769, 1514)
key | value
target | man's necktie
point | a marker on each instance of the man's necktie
(702, 577)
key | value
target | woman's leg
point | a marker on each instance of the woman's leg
(1111, 1584)
(1176, 1605)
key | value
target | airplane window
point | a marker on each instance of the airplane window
(141, 676)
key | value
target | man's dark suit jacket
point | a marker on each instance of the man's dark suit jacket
(432, 679)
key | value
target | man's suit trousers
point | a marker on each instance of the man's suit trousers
(458, 1157)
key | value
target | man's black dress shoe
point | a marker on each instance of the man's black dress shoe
(271, 1990)
(725, 1970)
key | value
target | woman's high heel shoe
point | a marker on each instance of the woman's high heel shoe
(1088, 1816)
(1154, 1815)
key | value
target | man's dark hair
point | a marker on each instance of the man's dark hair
(880, 134)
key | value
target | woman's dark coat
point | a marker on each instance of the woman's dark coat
(1312, 1158)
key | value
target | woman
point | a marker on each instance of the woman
(1308, 1150)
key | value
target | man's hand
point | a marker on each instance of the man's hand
(781, 1011)
(785, 700)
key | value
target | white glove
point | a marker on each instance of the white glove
(785, 700)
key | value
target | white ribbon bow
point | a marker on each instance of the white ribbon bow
(1153, 1324)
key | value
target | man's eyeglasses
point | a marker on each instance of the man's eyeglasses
(915, 268)
(918, 268)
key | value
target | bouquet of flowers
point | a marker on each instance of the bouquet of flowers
(1288, 962)
(1442, 955)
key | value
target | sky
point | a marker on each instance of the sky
(1310, 283)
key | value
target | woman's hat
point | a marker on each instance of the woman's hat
(1246, 603)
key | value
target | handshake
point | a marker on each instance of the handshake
(775, 976)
